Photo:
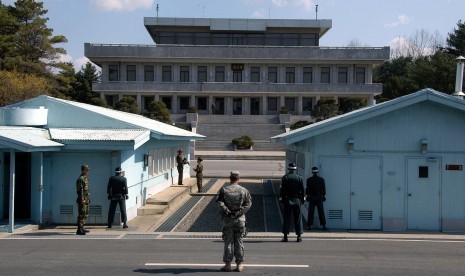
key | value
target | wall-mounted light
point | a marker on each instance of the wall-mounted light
(423, 146)
(350, 145)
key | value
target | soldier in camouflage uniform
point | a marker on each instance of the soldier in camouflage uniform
(83, 199)
(234, 202)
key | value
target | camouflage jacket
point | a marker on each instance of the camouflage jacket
(83, 189)
(234, 201)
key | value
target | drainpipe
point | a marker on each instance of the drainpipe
(41, 188)
(12, 190)
(459, 78)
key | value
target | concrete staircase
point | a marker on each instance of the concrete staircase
(163, 201)
(221, 129)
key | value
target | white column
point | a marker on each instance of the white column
(12, 190)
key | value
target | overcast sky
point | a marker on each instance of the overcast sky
(370, 22)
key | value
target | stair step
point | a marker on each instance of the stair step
(150, 210)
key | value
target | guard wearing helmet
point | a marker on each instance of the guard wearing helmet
(292, 196)
(316, 194)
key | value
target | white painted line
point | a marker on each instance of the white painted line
(219, 265)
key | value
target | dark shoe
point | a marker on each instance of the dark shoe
(80, 231)
(324, 228)
(226, 267)
(299, 239)
(109, 226)
(125, 225)
(284, 239)
(85, 230)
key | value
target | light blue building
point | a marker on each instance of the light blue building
(45, 140)
(394, 166)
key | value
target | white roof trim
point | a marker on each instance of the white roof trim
(27, 139)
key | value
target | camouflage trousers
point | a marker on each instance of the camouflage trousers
(233, 235)
(83, 210)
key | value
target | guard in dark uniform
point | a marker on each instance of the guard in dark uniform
(292, 195)
(180, 166)
(199, 174)
(316, 195)
(117, 191)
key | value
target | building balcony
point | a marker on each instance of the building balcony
(99, 53)
(238, 88)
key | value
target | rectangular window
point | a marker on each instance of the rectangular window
(342, 75)
(255, 39)
(237, 76)
(219, 74)
(325, 75)
(184, 103)
(291, 40)
(238, 39)
(360, 75)
(184, 73)
(307, 104)
(149, 75)
(166, 74)
(202, 103)
(147, 101)
(273, 39)
(290, 74)
(272, 104)
(167, 101)
(185, 38)
(308, 39)
(273, 74)
(219, 39)
(202, 74)
(290, 103)
(113, 73)
(423, 171)
(131, 73)
(202, 38)
(308, 75)
(254, 74)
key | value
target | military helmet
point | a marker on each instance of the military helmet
(315, 170)
(292, 166)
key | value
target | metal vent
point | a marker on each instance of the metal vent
(365, 215)
(95, 210)
(66, 209)
(335, 214)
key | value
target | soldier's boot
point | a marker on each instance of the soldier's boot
(85, 230)
(239, 267)
(226, 267)
(80, 231)
(284, 238)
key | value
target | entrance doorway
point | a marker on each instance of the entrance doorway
(22, 186)
(423, 193)
(255, 106)
(219, 106)
(237, 106)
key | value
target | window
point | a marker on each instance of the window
(325, 75)
(307, 104)
(273, 74)
(290, 103)
(273, 39)
(166, 37)
(290, 40)
(360, 75)
(290, 75)
(149, 73)
(238, 39)
(131, 73)
(113, 73)
(309, 39)
(111, 99)
(167, 101)
(202, 74)
(272, 104)
(202, 103)
(423, 171)
(254, 74)
(184, 38)
(166, 74)
(255, 39)
(219, 74)
(220, 39)
(237, 76)
(147, 101)
(308, 75)
(202, 38)
(184, 74)
(184, 103)
(342, 74)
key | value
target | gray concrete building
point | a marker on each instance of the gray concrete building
(235, 66)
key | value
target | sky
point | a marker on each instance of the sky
(373, 23)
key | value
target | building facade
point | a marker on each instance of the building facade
(45, 140)
(394, 166)
(235, 66)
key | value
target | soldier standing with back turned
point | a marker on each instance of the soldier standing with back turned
(292, 196)
(117, 190)
(234, 202)
(83, 199)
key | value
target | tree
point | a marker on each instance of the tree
(325, 109)
(99, 102)
(127, 104)
(351, 104)
(393, 75)
(157, 110)
(83, 86)
(16, 87)
(456, 41)
(34, 44)
(8, 28)
(421, 43)
(65, 80)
